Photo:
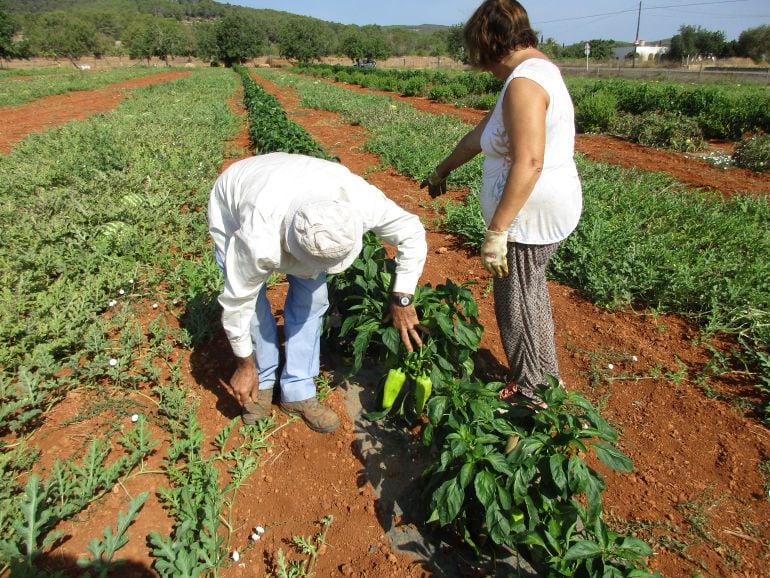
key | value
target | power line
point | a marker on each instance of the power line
(588, 16)
(696, 4)
(634, 9)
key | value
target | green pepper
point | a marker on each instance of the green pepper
(393, 384)
(422, 388)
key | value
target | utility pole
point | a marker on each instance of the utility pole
(636, 41)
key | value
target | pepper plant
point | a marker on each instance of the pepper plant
(514, 476)
(358, 301)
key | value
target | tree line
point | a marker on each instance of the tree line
(143, 29)
(195, 28)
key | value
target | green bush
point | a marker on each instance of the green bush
(478, 101)
(459, 90)
(412, 87)
(441, 93)
(596, 112)
(754, 153)
(664, 130)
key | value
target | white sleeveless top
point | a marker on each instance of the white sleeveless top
(553, 209)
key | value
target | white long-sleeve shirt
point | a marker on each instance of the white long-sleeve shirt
(247, 210)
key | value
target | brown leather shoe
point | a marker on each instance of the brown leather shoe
(253, 411)
(317, 417)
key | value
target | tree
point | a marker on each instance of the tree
(600, 49)
(67, 35)
(352, 43)
(455, 43)
(375, 45)
(160, 37)
(205, 39)
(550, 48)
(754, 43)
(238, 39)
(8, 47)
(304, 40)
(695, 41)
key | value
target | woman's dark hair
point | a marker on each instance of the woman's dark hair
(495, 29)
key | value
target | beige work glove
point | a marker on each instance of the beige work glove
(494, 251)
(436, 185)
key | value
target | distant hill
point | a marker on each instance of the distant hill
(75, 28)
(179, 9)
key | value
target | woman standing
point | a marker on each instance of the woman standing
(531, 198)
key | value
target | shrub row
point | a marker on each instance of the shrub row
(687, 114)
(269, 128)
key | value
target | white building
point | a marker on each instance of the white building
(644, 52)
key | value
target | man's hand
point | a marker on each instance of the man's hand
(494, 250)
(244, 380)
(436, 185)
(407, 323)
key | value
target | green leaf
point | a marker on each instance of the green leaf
(613, 457)
(499, 463)
(594, 490)
(377, 415)
(532, 538)
(636, 546)
(466, 336)
(436, 408)
(499, 525)
(391, 339)
(466, 474)
(449, 500)
(583, 550)
(556, 463)
(485, 487)
(578, 474)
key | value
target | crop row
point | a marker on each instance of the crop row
(269, 128)
(507, 476)
(505, 471)
(693, 112)
(102, 221)
(644, 239)
(16, 90)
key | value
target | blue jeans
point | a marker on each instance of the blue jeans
(303, 311)
(304, 308)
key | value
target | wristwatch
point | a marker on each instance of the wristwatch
(402, 299)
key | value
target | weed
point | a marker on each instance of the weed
(679, 375)
(310, 546)
(324, 386)
(103, 551)
(696, 514)
(764, 470)
(754, 153)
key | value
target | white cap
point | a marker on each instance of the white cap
(324, 233)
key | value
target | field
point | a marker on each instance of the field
(106, 253)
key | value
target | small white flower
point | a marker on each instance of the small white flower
(121, 292)
(236, 556)
(256, 537)
(135, 418)
(113, 303)
(175, 301)
(634, 358)
(259, 530)
(610, 366)
(154, 305)
(131, 281)
(113, 362)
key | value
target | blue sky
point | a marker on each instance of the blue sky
(567, 21)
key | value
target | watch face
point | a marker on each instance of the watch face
(405, 300)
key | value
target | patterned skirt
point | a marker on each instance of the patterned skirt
(524, 316)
